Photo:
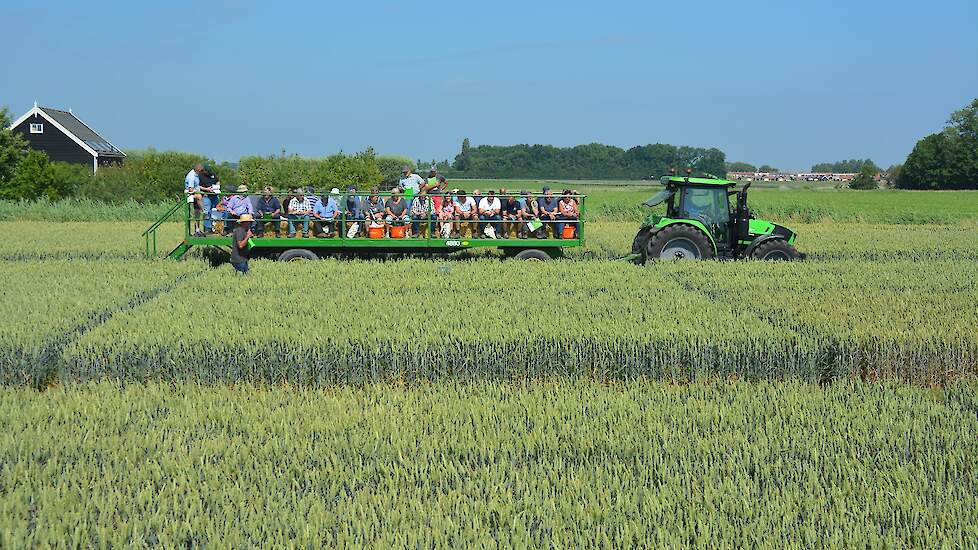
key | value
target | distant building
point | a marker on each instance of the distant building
(790, 176)
(64, 137)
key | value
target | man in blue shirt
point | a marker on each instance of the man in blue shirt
(325, 214)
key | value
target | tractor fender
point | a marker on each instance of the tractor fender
(666, 222)
(759, 241)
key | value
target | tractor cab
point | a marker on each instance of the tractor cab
(704, 224)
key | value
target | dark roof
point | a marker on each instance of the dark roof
(83, 132)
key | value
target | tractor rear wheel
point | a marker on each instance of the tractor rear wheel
(678, 242)
(775, 250)
(641, 240)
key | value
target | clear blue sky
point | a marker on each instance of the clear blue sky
(784, 83)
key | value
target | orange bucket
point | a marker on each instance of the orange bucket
(375, 232)
(398, 231)
(568, 232)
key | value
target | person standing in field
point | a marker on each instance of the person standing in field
(410, 184)
(239, 244)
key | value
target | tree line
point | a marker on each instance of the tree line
(947, 159)
(591, 161)
(944, 160)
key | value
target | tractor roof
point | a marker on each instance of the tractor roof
(682, 180)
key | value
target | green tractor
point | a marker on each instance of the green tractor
(700, 224)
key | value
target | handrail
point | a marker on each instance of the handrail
(150, 234)
(165, 217)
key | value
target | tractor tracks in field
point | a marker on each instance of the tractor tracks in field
(828, 363)
(50, 359)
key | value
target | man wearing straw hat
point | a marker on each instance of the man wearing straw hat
(239, 243)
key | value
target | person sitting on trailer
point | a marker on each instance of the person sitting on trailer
(396, 210)
(421, 214)
(489, 209)
(269, 211)
(528, 213)
(511, 213)
(326, 214)
(446, 215)
(466, 210)
(567, 211)
(238, 205)
(353, 210)
(547, 208)
(374, 207)
(310, 194)
(299, 210)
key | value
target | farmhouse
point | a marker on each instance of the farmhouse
(64, 137)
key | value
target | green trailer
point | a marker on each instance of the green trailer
(550, 246)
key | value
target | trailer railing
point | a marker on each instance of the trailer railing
(209, 215)
(150, 234)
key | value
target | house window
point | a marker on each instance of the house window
(37, 128)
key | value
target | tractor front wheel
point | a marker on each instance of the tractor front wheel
(678, 242)
(775, 250)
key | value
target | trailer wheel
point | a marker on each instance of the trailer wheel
(297, 254)
(534, 254)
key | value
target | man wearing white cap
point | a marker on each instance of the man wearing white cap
(325, 213)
